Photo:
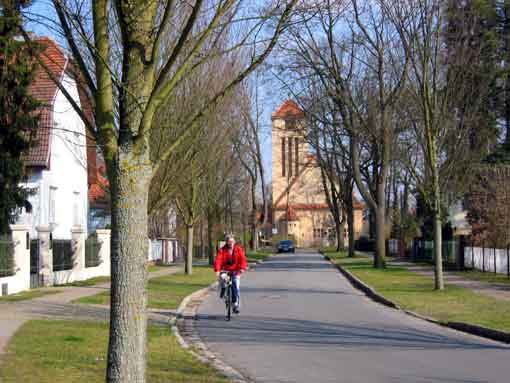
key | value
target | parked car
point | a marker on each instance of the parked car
(286, 246)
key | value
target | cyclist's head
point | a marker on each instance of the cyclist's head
(229, 238)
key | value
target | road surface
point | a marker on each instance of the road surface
(301, 321)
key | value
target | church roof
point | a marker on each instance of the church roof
(288, 110)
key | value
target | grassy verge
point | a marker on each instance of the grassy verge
(259, 255)
(153, 268)
(75, 351)
(29, 294)
(88, 282)
(484, 277)
(165, 292)
(416, 293)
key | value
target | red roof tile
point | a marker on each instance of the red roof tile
(98, 189)
(288, 110)
(44, 90)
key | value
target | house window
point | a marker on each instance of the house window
(52, 205)
(283, 156)
(317, 233)
(76, 209)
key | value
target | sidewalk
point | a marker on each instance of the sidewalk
(494, 290)
(59, 306)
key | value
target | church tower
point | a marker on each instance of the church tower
(299, 205)
(300, 208)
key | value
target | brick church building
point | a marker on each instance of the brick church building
(299, 202)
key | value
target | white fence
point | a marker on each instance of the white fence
(80, 272)
(39, 271)
(487, 259)
(164, 250)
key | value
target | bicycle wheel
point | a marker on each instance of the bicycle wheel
(228, 302)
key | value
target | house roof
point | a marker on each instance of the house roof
(97, 189)
(44, 90)
(288, 110)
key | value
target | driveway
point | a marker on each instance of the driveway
(301, 321)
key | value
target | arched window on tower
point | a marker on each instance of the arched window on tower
(290, 157)
(283, 156)
(296, 146)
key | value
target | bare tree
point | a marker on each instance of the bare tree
(351, 50)
(132, 55)
(439, 84)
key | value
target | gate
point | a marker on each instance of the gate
(35, 278)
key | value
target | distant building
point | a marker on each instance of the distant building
(299, 207)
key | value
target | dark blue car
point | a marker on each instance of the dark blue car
(286, 246)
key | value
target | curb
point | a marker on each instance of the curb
(360, 285)
(182, 326)
(481, 331)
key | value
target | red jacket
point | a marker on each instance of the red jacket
(235, 262)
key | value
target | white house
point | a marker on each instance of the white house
(57, 163)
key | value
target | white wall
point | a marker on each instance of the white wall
(67, 174)
(483, 259)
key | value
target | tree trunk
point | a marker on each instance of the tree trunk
(350, 224)
(372, 224)
(380, 225)
(127, 348)
(202, 244)
(338, 231)
(254, 234)
(438, 243)
(210, 249)
(188, 268)
(380, 238)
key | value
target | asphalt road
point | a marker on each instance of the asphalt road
(301, 321)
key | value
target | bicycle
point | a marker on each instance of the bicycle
(226, 280)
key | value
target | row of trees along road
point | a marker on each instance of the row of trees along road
(135, 58)
(393, 91)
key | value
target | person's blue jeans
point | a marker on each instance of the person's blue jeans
(236, 292)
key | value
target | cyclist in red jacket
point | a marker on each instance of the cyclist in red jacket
(231, 258)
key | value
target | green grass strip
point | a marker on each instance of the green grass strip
(75, 351)
(165, 292)
(29, 294)
(258, 256)
(415, 292)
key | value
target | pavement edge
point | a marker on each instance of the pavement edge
(484, 332)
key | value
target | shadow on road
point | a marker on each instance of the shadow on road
(258, 331)
(274, 290)
(298, 262)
